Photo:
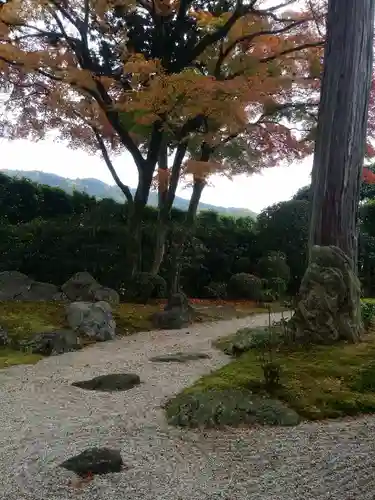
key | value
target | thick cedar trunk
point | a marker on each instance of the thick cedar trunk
(341, 136)
(330, 293)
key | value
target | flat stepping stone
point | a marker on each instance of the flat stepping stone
(180, 357)
(95, 461)
(110, 383)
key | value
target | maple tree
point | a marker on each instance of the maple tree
(218, 84)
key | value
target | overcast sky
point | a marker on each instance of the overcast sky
(255, 192)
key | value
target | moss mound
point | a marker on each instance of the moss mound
(228, 407)
(316, 382)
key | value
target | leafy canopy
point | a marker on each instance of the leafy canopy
(139, 74)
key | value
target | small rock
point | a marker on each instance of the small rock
(171, 319)
(95, 461)
(178, 300)
(53, 343)
(110, 383)
(180, 357)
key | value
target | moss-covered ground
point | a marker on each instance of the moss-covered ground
(24, 319)
(317, 383)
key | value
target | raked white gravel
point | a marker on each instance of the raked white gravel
(44, 420)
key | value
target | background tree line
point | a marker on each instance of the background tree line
(50, 235)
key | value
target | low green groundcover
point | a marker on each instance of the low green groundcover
(316, 383)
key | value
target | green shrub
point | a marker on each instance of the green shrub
(216, 290)
(368, 312)
(365, 381)
(275, 272)
(143, 287)
(227, 407)
(245, 286)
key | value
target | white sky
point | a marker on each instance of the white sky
(255, 192)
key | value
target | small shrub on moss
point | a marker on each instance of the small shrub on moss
(229, 407)
(245, 286)
(143, 287)
(275, 272)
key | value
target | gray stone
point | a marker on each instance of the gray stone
(94, 320)
(180, 357)
(12, 284)
(84, 287)
(177, 300)
(95, 461)
(110, 383)
(38, 291)
(328, 309)
(17, 286)
(78, 286)
(104, 294)
(171, 319)
(53, 343)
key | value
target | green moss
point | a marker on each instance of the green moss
(132, 318)
(23, 319)
(318, 383)
(10, 357)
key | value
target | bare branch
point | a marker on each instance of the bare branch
(124, 188)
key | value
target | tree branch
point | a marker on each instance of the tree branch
(214, 37)
(124, 188)
(248, 38)
(282, 53)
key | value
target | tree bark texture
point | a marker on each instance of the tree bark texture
(329, 304)
(341, 135)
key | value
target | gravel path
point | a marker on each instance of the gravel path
(43, 421)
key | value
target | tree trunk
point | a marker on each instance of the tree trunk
(329, 305)
(135, 218)
(166, 197)
(183, 235)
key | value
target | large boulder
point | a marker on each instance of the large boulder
(94, 320)
(84, 287)
(53, 343)
(177, 314)
(328, 308)
(172, 319)
(17, 286)
(12, 284)
(38, 291)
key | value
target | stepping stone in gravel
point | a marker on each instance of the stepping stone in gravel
(110, 383)
(180, 357)
(95, 461)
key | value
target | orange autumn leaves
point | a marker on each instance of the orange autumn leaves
(252, 62)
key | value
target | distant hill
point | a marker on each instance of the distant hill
(100, 190)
